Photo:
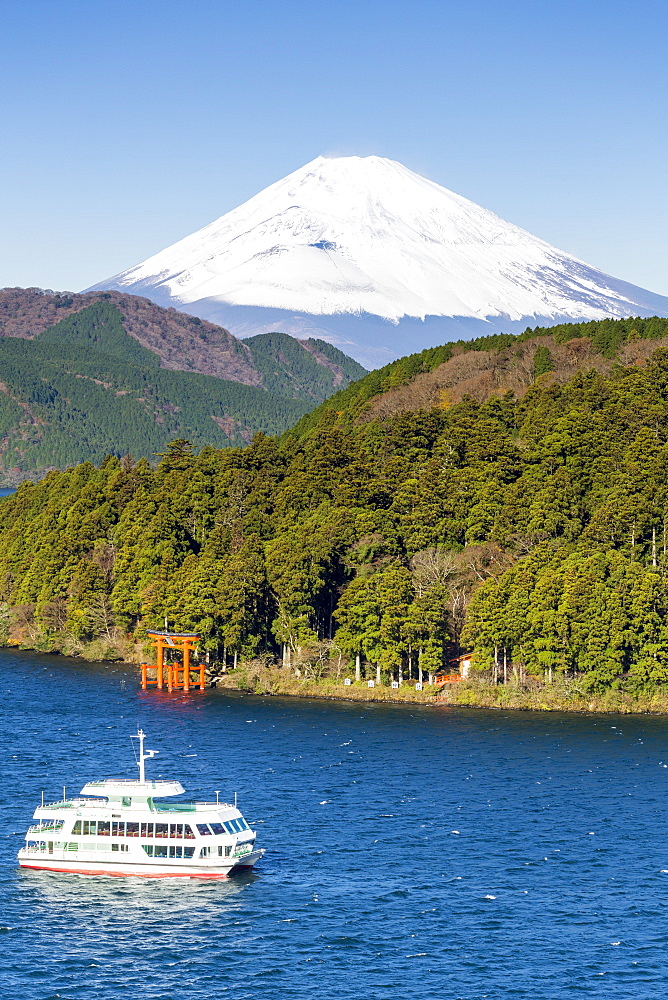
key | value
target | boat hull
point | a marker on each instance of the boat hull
(128, 869)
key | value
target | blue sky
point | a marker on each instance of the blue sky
(126, 125)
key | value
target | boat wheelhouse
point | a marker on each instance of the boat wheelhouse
(123, 828)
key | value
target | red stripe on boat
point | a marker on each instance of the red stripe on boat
(101, 871)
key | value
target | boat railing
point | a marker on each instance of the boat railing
(43, 848)
(50, 828)
(241, 850)
(129, 783)
(166, 807)
(189, 807)
(73, 803)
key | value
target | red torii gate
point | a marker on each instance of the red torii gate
(177, 675)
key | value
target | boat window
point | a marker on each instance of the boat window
(205, 852)
(188, 831)
(175, 851)
(89, 827)
(77, 827)
(161, 829)
(160, 851)
(117, 829)
(176, 830)
(147, 830)
(149, 849)
(188, 852)
(244, 824)
(127, 802)
(218, 829)
(132, 829)
(103, 829)
(73, 845)
(234, 826)
(203, 829)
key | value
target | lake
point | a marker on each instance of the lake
(411, 852)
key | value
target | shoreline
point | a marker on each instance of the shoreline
(327, 691)
(471, 693)
(464, 694)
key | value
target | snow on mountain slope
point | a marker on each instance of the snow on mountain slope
(366, 237)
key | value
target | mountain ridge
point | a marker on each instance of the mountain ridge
(84, 389)
(183, 342)
(86, 386)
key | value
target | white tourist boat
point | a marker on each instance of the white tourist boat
(121, 828)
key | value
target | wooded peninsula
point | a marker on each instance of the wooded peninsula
(415, 515)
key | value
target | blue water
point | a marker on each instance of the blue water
(411, 853)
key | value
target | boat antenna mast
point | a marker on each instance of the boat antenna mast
(143, 756)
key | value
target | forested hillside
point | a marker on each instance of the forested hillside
(534, 525)
(299, 369)
(302, 369)
(83, 389)
(491, 366)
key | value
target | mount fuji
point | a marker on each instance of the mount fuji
(366, 254)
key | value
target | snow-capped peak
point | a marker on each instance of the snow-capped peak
(365, 235)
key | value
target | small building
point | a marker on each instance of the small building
(460, 669)
(464, 664)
